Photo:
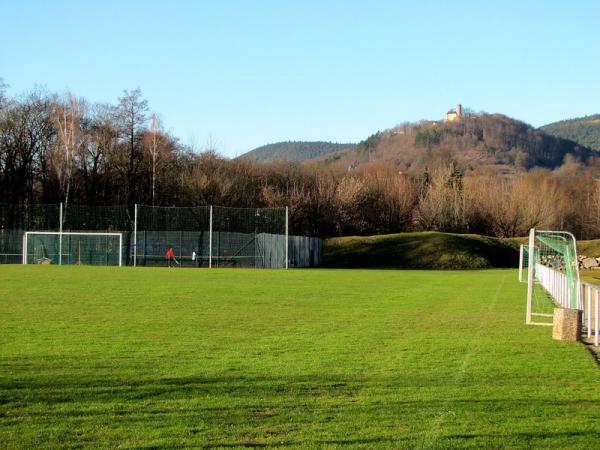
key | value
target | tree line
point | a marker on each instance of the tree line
(61, 148)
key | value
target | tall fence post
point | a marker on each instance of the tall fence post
(60, 230)
(210, 232)
(530, 273)
(135, 217)
(521, 263)
(286, 237)
(596, 337)
(25, 248)
(589, 312)
(180, 246)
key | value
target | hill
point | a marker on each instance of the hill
(474, 142)
(583, 130)
(424, 250)
(296, 151)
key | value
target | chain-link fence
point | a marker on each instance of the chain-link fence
(204, 236)
(186, 230)
(15, 220)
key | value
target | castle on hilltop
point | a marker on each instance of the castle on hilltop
(454, 115)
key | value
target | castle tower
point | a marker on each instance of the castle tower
(453, 115)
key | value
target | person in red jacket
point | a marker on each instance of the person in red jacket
(170, 255)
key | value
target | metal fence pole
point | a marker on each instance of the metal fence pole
(596, 337)
(25, 248)
(120, 249)
(530, 272)
(286, 237)
(60, 229)
(589, 312)
(210, 232)
(521, 263)
(135, 217)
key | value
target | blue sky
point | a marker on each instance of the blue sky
(240, 74)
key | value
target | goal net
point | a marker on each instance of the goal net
(550, 260)
(49, 247)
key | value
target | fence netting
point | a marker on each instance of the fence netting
(248, 237)
(106, 219)
(186, 230)
(16, 219)
(97, 218)
(200, 236)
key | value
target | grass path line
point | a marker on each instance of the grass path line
(446, 412)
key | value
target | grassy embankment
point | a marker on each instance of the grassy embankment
(432, 250)
(589, 248)
(422, 250)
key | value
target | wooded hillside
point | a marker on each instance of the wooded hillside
(474, 143)
(476, 176)
(295, 151)
(584, 130)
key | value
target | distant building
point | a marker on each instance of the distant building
(454, 115)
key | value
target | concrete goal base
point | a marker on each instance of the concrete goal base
(566, 325)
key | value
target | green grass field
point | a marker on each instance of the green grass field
(184, 358)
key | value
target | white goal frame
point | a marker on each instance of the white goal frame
(60, 235)
(552, 281)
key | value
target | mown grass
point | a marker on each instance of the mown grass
(421, 250)
(589, 248)
(179, 358)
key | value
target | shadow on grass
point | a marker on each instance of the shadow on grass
(55, 388)
(260, 411)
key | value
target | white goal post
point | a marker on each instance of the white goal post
(522, 262)
(552, 266)
(69, 247)
(550, 259)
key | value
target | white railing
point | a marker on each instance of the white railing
(555, 283)
(588, 297)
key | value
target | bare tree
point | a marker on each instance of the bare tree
(512, 206)
(442, 205)
(131, 113)
(3, 87)
(98, 154)
(26, 133)
(66, 116)
(153, 148)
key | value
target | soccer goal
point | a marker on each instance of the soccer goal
(551, 262)
(80, 248)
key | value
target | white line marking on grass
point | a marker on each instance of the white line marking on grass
(446, 412)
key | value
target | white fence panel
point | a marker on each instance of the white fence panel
(588, 296)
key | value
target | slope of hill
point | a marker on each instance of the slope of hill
(296, 151)
(424, 250)
(474, 142)
(583, 130)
